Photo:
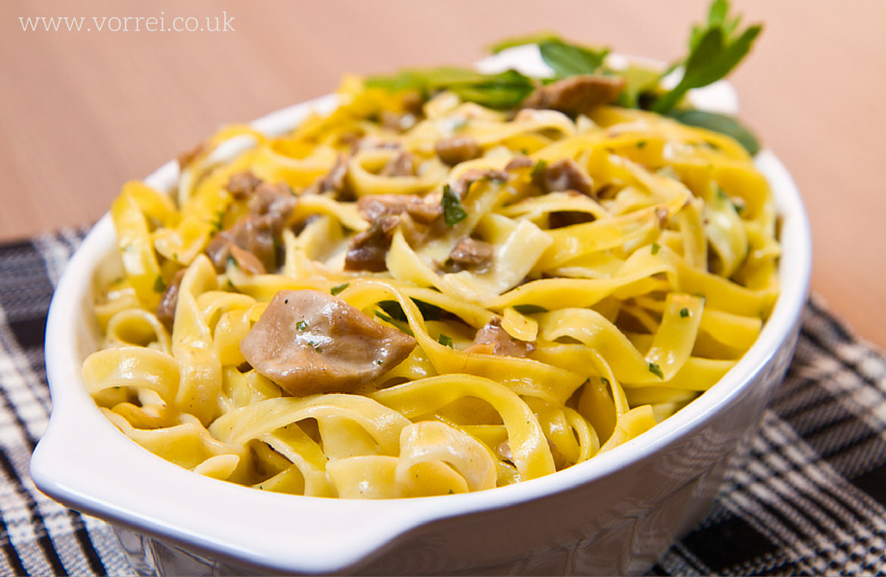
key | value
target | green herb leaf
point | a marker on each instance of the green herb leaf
(718, 15)
(569, 59)
(564, 58)
(639, 80)
(428, 311)
(453, 211)
(402, 326)
(393, 310)
(656, 370)
(444, 340)
(684, 312)
(159, 284)
(539, 38)
(529, 309)
(385, 317)
(337, 289)
(714, 51)
(218, 223)
(301, 326)
(539, 169)
(502, 90)
(719, 123)
(655, 248)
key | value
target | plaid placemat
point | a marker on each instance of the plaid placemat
(808, 496)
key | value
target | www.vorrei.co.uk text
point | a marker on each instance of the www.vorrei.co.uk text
(161, 23)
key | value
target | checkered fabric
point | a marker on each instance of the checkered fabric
(807, 496)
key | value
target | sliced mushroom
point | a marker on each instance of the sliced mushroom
(270, 207)
(311, 342)
(252, 234)
(166, 308)
(373, 206)
(492, 339)
(401, 165)
(518, 162)
(246, 261)
(368, 249)
(274, 202)
(566, 174)
(577, 94)
(470, 253)
(242, 184)
(457, 149)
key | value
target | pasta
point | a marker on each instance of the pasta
(414, 297)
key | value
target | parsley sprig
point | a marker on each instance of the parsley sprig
(715, 48)
(503, 91)
(714, 51)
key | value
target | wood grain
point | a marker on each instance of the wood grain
(82, 112)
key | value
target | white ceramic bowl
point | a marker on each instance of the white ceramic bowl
(614, 514)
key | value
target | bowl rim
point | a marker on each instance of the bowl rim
(84, 462)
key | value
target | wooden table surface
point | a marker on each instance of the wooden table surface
(83, 111)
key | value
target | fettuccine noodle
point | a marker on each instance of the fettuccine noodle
(528, 289)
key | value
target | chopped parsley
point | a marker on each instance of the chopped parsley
(301, 326)
(444, 340)
(656, 370)
(641, 144)
(402, 326)
(337, 289)
(453, 210)
(684, 312)
(159, 284)
(539, 169)
(655, 248)
(428, 311)
(218, 223)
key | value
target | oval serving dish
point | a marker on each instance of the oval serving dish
(614, 514)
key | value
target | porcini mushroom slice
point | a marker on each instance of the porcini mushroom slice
(311, 342)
